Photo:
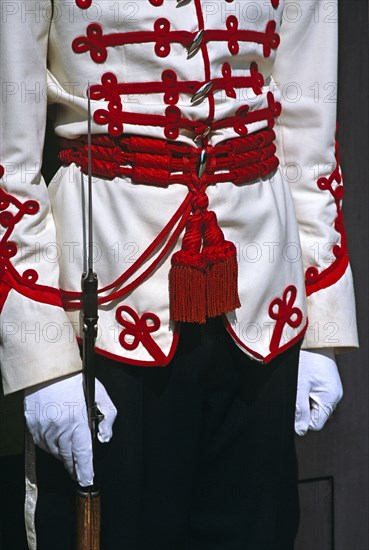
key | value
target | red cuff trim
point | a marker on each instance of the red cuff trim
(314, 279)
(10, 278)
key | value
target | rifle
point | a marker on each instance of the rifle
(88, 498)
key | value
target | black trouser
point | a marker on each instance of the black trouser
(12, 530)
(202, 455)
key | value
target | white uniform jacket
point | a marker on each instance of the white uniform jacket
(255, 65)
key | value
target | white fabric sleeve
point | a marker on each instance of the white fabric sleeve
(306, 74)
(37, 342)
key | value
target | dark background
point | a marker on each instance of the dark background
(335, 513)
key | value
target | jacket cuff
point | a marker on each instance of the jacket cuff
(38, 347)
(332, 317)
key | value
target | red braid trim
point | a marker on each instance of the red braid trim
(314, 279)
(138, 330)
(114, 118)
(271, 355)
(111, 90)
(97, 43)
(205, 56)
(284, 312)
(25, 283)
(137, 362)
(71, 300)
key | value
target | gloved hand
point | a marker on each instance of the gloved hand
(319, 389)
(56, 417)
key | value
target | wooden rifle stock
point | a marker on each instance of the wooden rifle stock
(88, 519)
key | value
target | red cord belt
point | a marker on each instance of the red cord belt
(158, 162)
(203, 274)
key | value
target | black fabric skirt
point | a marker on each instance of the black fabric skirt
(202, 455)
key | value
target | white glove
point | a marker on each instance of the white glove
(56, 417)
(319, 389)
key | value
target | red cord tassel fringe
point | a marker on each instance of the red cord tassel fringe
(201, 291)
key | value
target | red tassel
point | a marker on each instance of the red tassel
(187, 291)
(187, 288)
(221, 284)
(203, 282)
